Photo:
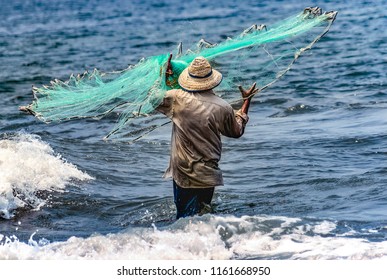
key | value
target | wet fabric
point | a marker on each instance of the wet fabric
(190, 202)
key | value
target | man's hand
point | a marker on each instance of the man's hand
(248, 93)
(168, 71)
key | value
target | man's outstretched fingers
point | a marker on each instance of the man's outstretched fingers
(250, 92)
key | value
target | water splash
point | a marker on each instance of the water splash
(29, 169)
(207, 237)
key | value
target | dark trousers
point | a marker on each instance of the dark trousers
(192, 201)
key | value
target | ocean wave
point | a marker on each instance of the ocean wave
(29, 169)
(207, 237)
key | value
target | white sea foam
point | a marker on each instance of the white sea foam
(207, 237)
(29, 166)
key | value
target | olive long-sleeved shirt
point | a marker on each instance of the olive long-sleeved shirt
(199, 119)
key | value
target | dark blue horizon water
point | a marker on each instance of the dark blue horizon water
(307, 180)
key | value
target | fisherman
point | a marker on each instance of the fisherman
(199, 119)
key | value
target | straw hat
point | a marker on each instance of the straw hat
(199, 76)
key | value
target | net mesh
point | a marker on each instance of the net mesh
(259, 54)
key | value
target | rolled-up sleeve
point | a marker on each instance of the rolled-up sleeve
(234, 124)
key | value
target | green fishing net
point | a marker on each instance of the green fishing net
(260, 54)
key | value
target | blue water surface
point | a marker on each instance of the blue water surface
(314, 149)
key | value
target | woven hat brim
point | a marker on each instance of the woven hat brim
(190, 83)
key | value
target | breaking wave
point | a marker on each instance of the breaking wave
(29, 171)
(207, 237)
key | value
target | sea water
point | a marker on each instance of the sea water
(306, 181)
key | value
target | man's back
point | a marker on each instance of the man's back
(199, 118)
